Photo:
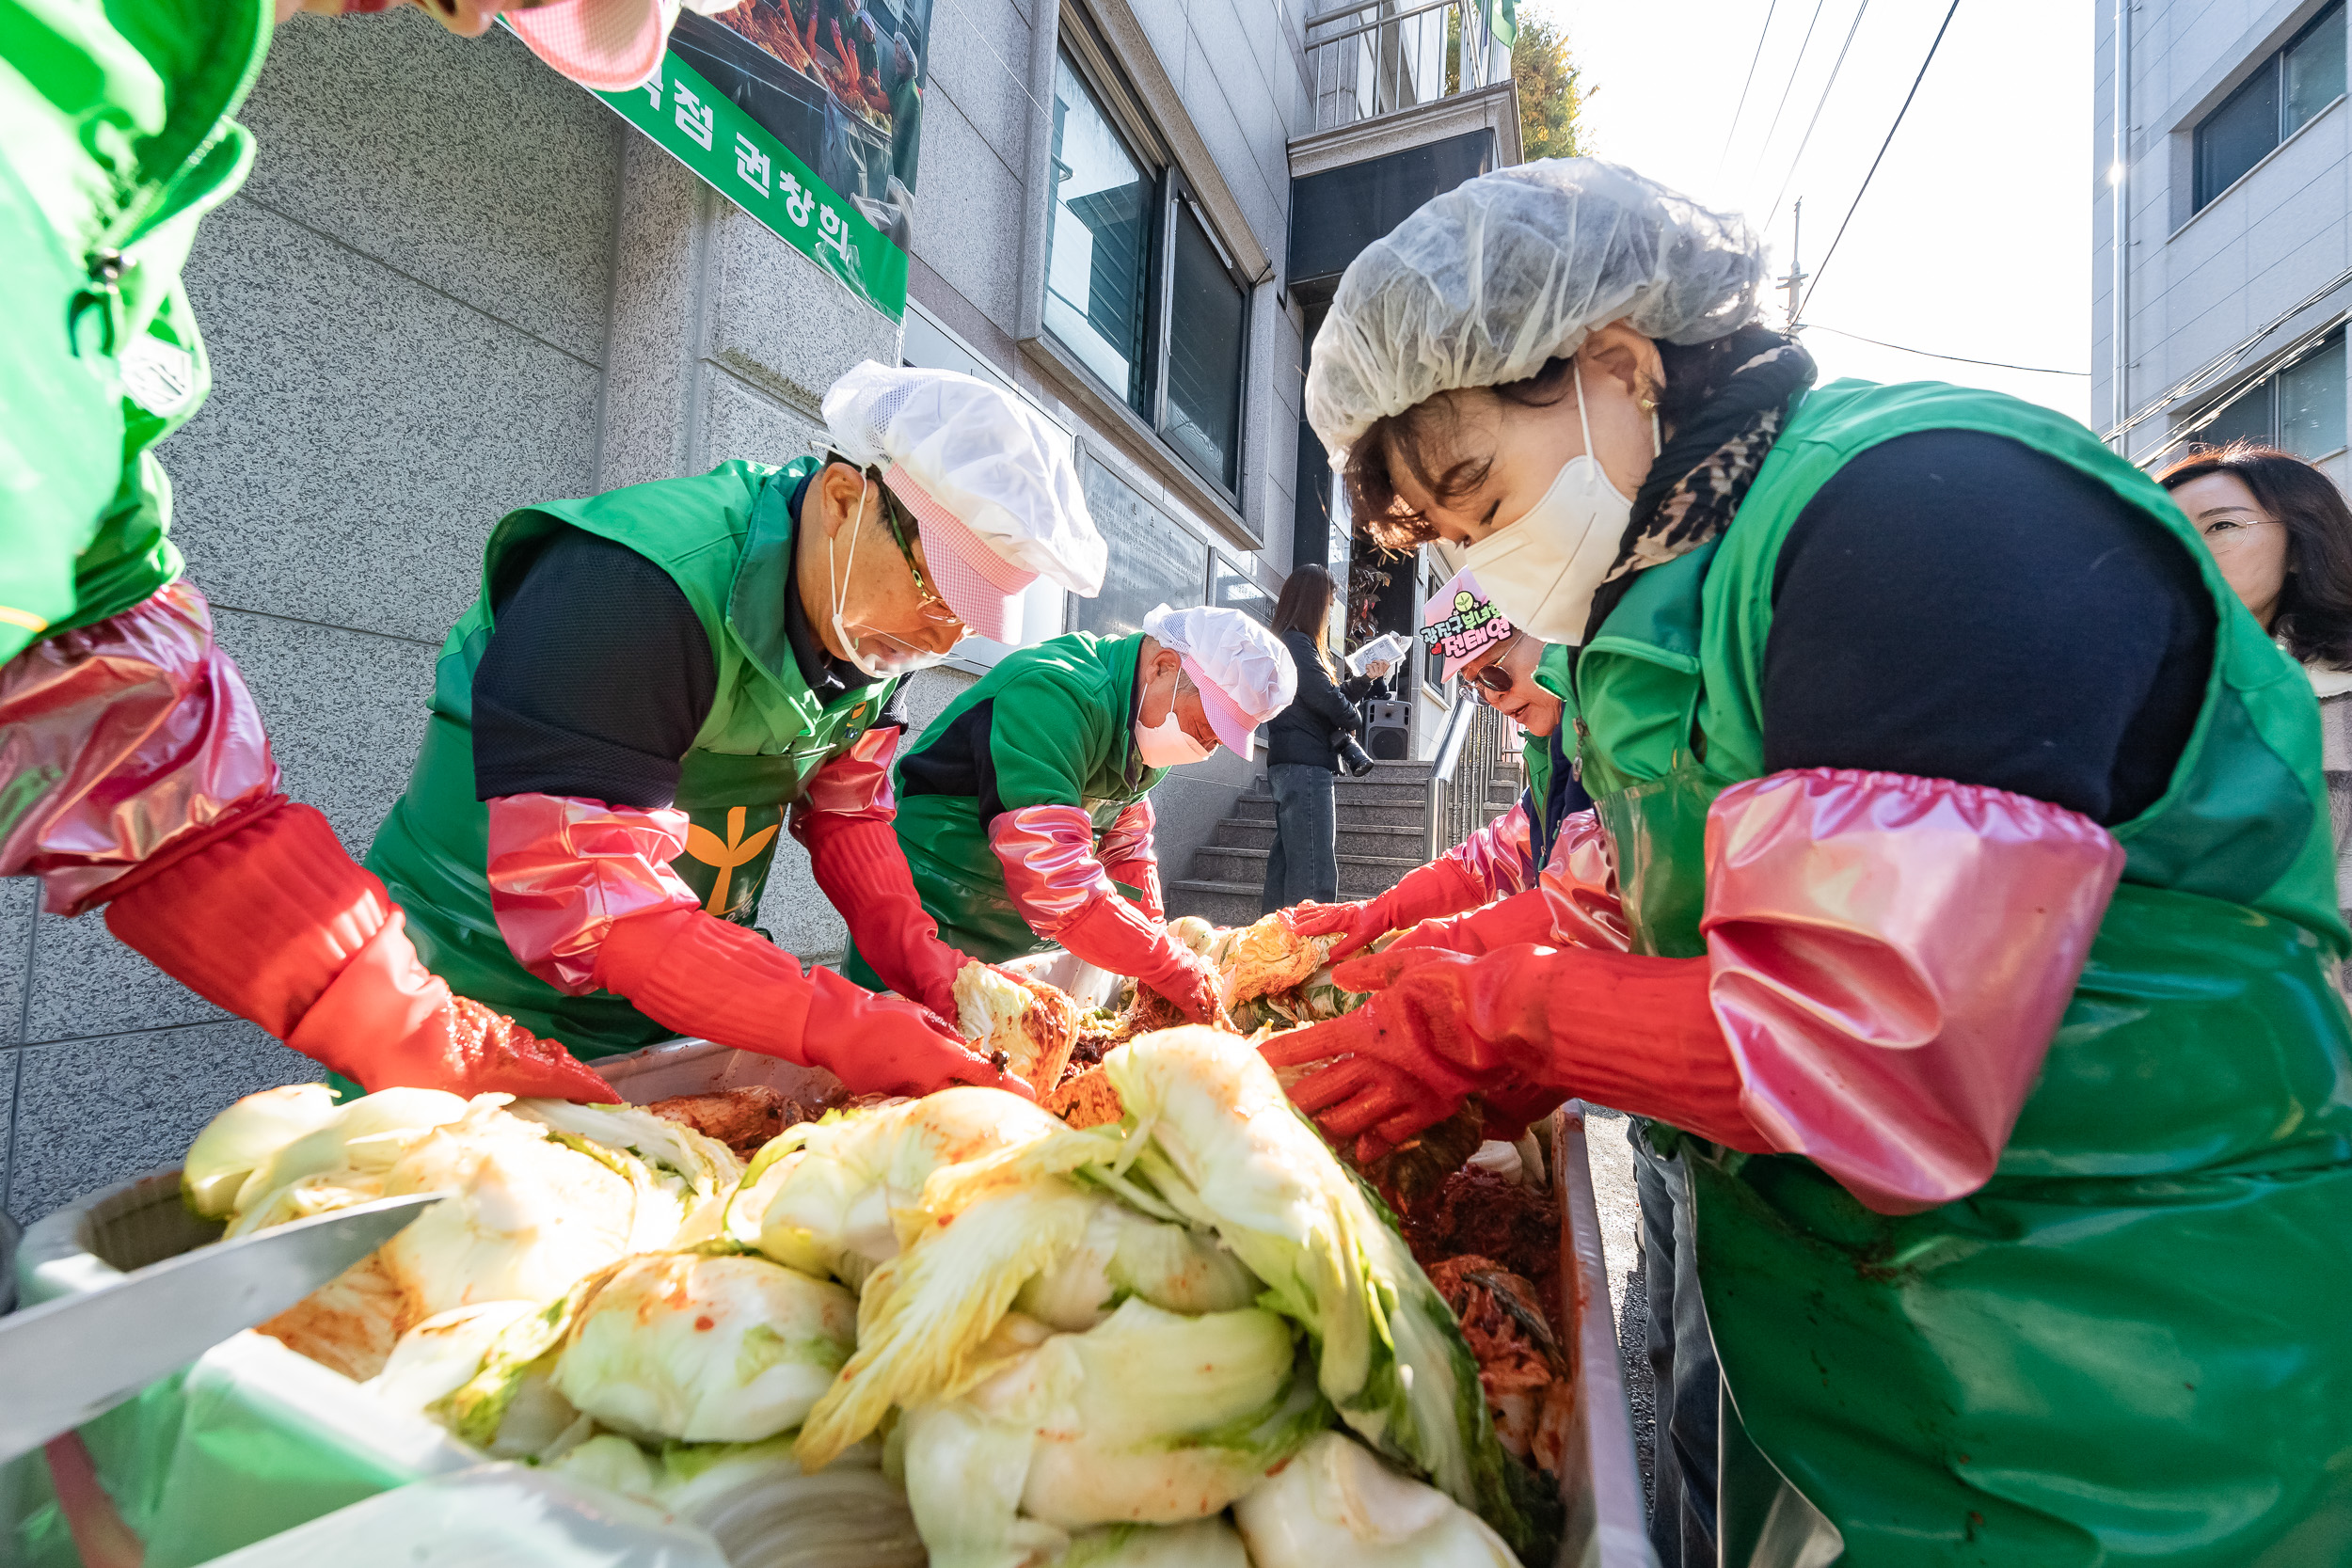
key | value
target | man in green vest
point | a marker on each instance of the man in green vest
(1972, 851)
(134, 771)
(1026, 810)
(656, 681)
(1524, 680)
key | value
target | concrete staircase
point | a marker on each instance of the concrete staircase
(1383, 833)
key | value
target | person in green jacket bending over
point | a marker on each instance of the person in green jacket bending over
(135, 771)
(1025, 811)
(1974, 935)
(656, 681)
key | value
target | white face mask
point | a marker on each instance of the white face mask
(899, 658)
(1543, 570)
(1165, 744)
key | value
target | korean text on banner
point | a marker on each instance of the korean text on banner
(744, 161)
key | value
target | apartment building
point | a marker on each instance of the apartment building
(2221, 312)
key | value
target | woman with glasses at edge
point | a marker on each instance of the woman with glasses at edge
(655, 680)
(2280, 532)
(1523, 678)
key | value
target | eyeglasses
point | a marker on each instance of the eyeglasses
(935, 609)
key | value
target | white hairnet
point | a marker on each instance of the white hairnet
(1244, 673)
(1484, 283)
(988, 461)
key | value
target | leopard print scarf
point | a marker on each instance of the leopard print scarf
(1704, 472)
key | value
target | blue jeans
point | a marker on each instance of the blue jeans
(1305, 860)
(1687, 1379)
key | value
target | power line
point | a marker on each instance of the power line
(1732, 130)
(1803, 44)
(1832, 251)
(1806, 140)
(1930, 354)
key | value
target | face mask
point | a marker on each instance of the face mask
(1165, 744)
(899, 658)
(1543, 570)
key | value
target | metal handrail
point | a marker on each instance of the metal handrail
(1454, 811)
(1391, 55)
(1328, 18)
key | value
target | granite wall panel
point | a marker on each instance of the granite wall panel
(364, 431)
(94, 1112)
(476, 169)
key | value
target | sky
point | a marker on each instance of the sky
(1974, 238)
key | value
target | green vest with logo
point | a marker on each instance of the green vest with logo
(1061, 732)
(725, 539)
(2129, 1344)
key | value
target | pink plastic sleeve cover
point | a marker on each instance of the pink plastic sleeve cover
(1498, 857)
(1890, 957)
(118, 737)
(1050, 867)
(1579, 884)
(1128, 854)
(563, 870)
(856, 784)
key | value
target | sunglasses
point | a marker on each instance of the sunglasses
(1494, 679)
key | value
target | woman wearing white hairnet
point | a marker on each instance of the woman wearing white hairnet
(1972, 848)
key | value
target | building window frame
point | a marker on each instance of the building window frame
(1170, 195)
(2271, 78)
(2199, 429)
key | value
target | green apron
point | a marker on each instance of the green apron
(725, 539)
(1061, 733)
(2128, 1345)
(115, 139)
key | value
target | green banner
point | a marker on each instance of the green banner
(744, 161)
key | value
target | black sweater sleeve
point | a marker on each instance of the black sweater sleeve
(1316, 693)
(596, 680)
(1954, 605)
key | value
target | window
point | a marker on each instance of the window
(1153, 560)
(1231, 588)
(2300, 409)
(1137, 290)
(1097, 240)
(2281, 96)
(1207, 318)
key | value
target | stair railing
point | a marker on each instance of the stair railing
(1475, 741)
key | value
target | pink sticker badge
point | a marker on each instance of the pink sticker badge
(1460, 622)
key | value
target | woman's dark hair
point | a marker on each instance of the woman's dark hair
(2314, 618)
(1306, 606)
(1693, 373)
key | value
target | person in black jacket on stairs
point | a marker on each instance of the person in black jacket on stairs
(1303, 743)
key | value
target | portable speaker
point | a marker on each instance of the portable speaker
(1388, 729)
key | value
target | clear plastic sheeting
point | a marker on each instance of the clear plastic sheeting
(1484, 283)
(492, 1516)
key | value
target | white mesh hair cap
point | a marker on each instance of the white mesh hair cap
(982, 457)
(1484, 283)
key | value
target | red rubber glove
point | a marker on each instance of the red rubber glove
(1441, 887)
(863, 871)
(1112, 934)
(1524, 917)
(274, 922)
(700, 975)
(1634, 1033)
(1129, 856)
